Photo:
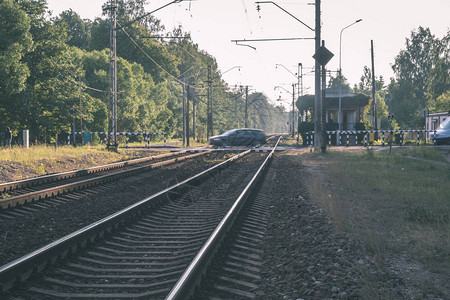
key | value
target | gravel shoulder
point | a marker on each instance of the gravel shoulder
(304, 256)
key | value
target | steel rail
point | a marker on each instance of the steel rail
(184, 288)
(8, 186)
(75, 186)
(23, 267)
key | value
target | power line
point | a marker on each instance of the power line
(146, 54)
(158, 65)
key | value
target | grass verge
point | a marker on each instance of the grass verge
(398, 207)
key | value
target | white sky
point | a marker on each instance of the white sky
(213, 24)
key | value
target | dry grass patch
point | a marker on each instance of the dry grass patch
(19, 163)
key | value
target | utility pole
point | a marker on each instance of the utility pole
(73, 131)
(79, 96)
(187, 115)
(184, 112)
(193, 113)
(324, 108)
(300, 92)
(235, 111)
(112, 114)
(317, 100)
(293, 111)
(246, 108)
(374, 88)
(209, 129)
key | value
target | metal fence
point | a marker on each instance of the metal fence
(363, 137)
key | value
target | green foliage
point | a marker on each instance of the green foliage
(442, 103)
(15, 42)
(382, 111)
(334, 82)
(77, 29)
(55, 70)
(421, 77)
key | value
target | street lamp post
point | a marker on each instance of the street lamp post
(340, 75)
(297, 76)
(317, 66)
(293, 105)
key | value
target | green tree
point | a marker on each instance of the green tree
(439, 78)
(334, 82)
(365, 84)
(78, 29)
(44, 105)
(133, 42)
(420, 75)
(442, 103)
(15, 42)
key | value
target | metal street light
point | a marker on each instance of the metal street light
(340, 73)
(235, 67)
(298, 76)
(318, 141)
(293, 106)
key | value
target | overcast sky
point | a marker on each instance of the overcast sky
(213, 24)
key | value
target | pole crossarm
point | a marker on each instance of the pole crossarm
(280, 87)
(271, 40)
(161, 37)
(271, 2)
(276, 65)
(254, 48)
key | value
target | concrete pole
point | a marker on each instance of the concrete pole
(187, 115)
(318, 94)
(184, 112)
(193, 114)
(323, 115)
(293, 110)
(246, 108)
(374, 88)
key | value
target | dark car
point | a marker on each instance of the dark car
(442, 135)
(237, 137)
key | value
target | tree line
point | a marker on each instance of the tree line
(56, 69)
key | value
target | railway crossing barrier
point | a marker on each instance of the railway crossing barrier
(362, 136)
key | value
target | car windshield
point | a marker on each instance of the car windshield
(229, 132)
(445, 124)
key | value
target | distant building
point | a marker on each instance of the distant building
(434, 119)
(352, 106)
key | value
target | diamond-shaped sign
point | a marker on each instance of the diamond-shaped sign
(323, 55)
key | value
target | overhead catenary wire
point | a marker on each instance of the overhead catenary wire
(158, 65)
(154, 61)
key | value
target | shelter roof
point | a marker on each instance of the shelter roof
(348, 100)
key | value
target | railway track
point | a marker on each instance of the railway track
(45, 187)
(155, 248)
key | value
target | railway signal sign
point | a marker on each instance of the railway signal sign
(323, 55)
